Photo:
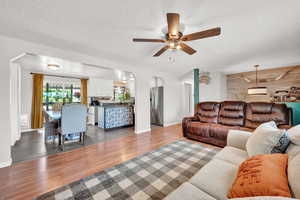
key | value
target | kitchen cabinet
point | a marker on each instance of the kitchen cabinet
(100, 87)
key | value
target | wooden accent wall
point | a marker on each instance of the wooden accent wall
(237, 86)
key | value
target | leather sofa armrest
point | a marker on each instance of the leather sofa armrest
(238, 139)
(185, 123)
(285, 126)
(193, 118)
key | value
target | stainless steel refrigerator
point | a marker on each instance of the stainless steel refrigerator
(157, 105)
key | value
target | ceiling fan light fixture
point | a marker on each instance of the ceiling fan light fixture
(172, 44)
(53, 66)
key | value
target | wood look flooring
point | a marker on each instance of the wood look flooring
(29, 179)
(32, 145)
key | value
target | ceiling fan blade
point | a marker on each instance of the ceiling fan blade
(173, 23)
(187, 49)
(147, 40)
(202, 34)
(162, 50)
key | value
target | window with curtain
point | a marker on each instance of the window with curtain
(60, 91)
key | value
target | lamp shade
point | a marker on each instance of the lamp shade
(257, 91)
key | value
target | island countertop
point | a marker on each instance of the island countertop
(115, 115)
(114, 103)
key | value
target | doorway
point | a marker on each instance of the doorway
(156, 103)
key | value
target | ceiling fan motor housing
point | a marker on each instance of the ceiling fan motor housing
(170, 36)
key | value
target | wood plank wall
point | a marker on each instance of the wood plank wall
(237, 86)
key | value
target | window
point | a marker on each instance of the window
(121, 93)
(60, 93)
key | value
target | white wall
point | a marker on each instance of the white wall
(26, 95)
(131, 87)
(215, 90)
(142, 103)
(100, 87)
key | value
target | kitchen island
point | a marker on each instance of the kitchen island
(112, 115)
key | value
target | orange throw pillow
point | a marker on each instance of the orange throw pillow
(262, 175)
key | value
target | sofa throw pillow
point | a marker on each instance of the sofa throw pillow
(294, 134)
(262, 175)
(264, 198)
(266, 139)
(282, 144)
(294, 175)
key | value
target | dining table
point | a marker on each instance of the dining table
(56, 115)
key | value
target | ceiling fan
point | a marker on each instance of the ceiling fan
(174, 38)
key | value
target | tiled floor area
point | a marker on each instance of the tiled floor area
(32, 146)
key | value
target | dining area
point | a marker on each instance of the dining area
(65, 123)
(58, 115)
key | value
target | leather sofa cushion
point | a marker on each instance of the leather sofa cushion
(261, 108)
(219, 131)
(199, 128)
(232, 113)
(260, 112)
(212, 131)
(208, 112)
(246, 129)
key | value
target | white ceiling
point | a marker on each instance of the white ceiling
(253, 31)
(39, 64)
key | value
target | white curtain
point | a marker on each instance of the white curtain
(15, 101)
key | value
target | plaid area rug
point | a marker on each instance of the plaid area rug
(152, 175)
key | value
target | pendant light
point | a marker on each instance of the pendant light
(257, 90)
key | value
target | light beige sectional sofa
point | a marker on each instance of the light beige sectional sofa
(214, 180)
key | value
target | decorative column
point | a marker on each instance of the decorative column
(196, 86)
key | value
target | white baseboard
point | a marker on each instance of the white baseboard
(24, 130)
(143, 131)
(6, 164)
(171, 123)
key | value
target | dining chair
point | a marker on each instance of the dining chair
(73, 120)
(50, 127)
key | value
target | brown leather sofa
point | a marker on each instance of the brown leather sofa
(213, 120)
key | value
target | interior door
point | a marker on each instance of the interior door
(188, 100)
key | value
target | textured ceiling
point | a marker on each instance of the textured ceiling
(253, 31)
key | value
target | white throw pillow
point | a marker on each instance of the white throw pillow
(267, 125)
(264, 139)
(294, 134)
